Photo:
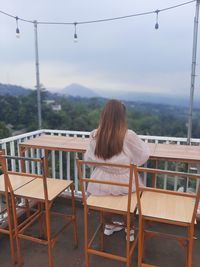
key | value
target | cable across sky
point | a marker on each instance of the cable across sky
(157, 11)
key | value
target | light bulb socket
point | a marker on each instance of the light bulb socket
(17, 29)
(75, 34)
(157, 25)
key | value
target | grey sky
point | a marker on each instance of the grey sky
(125, 55)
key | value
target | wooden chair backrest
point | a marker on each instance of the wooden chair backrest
(140, 189)
(83, 179)
(4, 167)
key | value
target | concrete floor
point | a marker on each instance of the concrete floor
(160, 252)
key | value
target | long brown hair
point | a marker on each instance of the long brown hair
(111, 131)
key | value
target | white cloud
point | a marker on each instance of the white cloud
(128, 54)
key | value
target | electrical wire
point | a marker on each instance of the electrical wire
(99, 20)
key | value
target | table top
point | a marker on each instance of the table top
(55, 142)
(185, 153)
(177, 152)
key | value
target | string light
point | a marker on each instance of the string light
(95, 21)
(157, 25)
(17, 29)
(75, 33)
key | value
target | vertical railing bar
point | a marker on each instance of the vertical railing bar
(187, 178)
(68, 166)
(60, 162)
(60, 165)
(176, 179)
(176, 169)
(38, 155)
(53, 161)
(18, 154)
(198, 180)
(27, 168)
(165, 176)
(32, 162)
(75, 172)
(12, 153)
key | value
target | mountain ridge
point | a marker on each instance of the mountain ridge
(77, 90)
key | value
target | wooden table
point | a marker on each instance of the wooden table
(167, 152)
(54, 142)
(171, 152)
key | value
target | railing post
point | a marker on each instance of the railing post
(193, 70)
(37, 77)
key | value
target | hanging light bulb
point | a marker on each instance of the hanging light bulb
(157, 25)
(75, 34)
(17, 29)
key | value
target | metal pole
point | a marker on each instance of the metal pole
(193, 71)
(37, 77)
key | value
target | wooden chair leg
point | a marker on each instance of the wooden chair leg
(16, 231)
(143, 240)
(86, 236)
(50, 254)
(11, 229)
(27, 208)
(48, 231)
(74, 217)
(128, 251)
(128, 241)
(140, 242)
(190, 244)
(41, 221)
(101, 232)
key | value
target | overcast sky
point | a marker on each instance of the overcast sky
(126, 54)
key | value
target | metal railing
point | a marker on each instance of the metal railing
(62, 164)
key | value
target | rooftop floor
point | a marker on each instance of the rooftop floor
(164, 254)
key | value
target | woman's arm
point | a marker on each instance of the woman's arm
(89, 154)
(138, 149)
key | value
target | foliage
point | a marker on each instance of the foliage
(83, 114)
(4, 132)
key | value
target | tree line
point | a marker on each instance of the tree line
(20, 112)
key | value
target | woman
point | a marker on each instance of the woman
(113, 142)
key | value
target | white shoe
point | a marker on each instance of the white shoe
(132, 232)
(110, 229)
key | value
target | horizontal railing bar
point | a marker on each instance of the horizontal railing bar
(144, 137)
(21, 136)
(172, 173)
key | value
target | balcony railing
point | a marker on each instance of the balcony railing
(62, 164)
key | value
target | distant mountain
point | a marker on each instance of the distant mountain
(14, 90)
(146, 97)
(78, 90)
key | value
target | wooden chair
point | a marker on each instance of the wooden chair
(168, 207)
(123, 204)
(16, 181)
(44, 191)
